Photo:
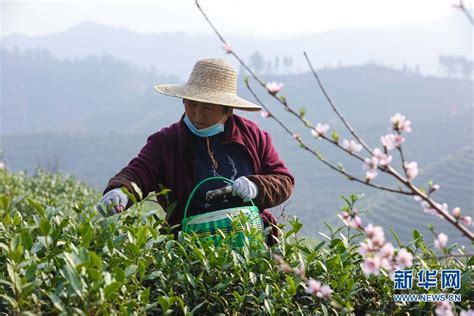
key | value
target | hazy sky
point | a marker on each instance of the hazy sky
(234, 17)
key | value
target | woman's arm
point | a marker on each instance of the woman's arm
(143, 170)
(275, 183)
(273, 189)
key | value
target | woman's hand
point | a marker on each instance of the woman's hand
(244, 188)
(112, 202)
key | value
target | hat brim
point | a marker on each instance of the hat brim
(203, 94)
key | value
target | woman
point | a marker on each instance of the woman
(209, 140)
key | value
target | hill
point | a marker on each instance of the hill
(100, 94)
(408, 44)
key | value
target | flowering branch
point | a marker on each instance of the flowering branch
(378, 161)
(313, 286)
(399, 124)
(317, 154)
(432, 207)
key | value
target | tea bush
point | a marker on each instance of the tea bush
(58, 256)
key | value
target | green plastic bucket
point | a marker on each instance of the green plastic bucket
(207, 225)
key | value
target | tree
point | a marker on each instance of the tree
(454, 65)
(257, 62)
(287, 63)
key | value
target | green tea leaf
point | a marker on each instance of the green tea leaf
(38, 207)
(130, 270)
(27, 239)
(416, 234)
(45, 226)
(111, 289)
(56, 301)
(395, 235)
(73, 279)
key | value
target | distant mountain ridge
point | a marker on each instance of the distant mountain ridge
(175, 53)
(41, 93)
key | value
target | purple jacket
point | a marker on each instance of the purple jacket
(167, 159)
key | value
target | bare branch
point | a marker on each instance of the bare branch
(463, 8)
(331, 103)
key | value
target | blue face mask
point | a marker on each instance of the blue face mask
(205, 132)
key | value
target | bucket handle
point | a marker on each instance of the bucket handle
(198, 185)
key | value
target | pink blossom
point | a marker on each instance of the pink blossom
(376, 234)
(371, 265)
(370, 175)
(391, 141)
(400, 123)
(296, 136)
(425, 205)
(387, 250)
(300, 271)
(441, 241)
(2, 165)
(370, 163)
(417, 198)
(399, 140)
(285, 267)
(319, 130)
(369, 229)
(383, 159)
(444, 309)
(265, 114)
(365, 247)
(404, 258)
(313, 286)
(443, 207)
(274, 87)
(385, 263)
(435, 187)
(355, 222)
(279, 259)
(428, 209)
(456, 212)
(467, 220)
(324, 292)
(388, 141)
(351, 146)
(351, 220)
(227, 48)
(411, 169)
(469, 312)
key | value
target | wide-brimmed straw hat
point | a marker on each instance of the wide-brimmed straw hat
(213, 81)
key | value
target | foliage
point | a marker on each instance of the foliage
(58, 256)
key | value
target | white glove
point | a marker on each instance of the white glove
(244, 188)
(112, 202)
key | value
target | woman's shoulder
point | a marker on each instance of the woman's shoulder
(166, 133)
(249, 127)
